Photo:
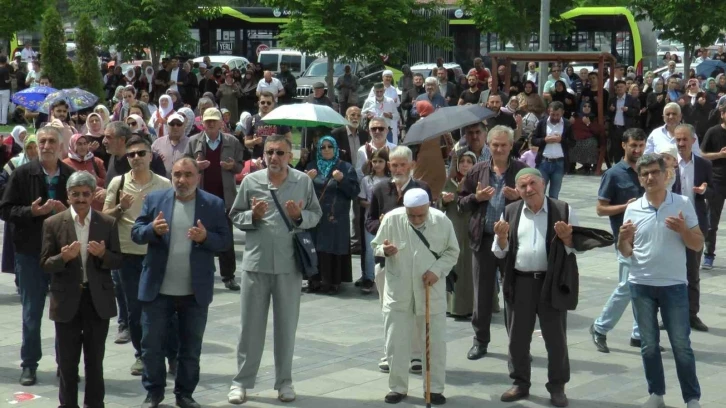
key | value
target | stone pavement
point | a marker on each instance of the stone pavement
(339, 343)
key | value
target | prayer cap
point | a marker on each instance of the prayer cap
(387, 72)
(670, 150)
(526, 172)
(415, 197)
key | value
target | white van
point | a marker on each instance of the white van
(298, 62)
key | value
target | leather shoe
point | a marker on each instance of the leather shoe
(476, 352)
(394, 397)
(698, 325)
(231, 285)
(600, 340)
(515, 393)
(186, 402)
(28, 377)
(152, 402)
(436, 398)
(558, 399)
(637, 343)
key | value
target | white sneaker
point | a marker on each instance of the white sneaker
(383, 366)
(693, 404)
(237, 395)
(286, 393)
(655, 401)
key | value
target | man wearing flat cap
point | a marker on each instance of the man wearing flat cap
(318, 96)
(523, 238)
(420, 247)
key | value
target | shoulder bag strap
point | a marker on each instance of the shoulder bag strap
(120, 188)
(281, 211)
(425, 242)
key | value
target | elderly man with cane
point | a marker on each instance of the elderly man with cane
(420, 247)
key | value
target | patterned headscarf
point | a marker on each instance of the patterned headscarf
(72, 149)
(326, 166)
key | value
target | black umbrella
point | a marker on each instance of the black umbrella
(445, 120)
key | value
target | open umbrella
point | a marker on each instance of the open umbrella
(77, 99)
(707, 67)
(305, 115)
(32, 98)
(445, 120)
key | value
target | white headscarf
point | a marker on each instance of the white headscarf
(188, 119)
(17, 131)
(164, 112)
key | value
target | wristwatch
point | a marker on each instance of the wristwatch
(120, 209)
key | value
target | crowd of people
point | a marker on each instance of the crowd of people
(122, 208)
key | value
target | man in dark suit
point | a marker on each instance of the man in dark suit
(178, 276)
(80, 247)
(553, 136)
(624, 111)
(410, 95)
(695, 181)
(447, 89)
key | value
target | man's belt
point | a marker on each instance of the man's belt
(532, 275)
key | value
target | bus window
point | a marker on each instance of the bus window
(293, 61)
(269, 62)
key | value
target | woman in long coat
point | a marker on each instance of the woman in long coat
(336, 185)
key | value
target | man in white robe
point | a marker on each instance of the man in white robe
(410, 265)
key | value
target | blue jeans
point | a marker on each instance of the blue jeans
(123, 312)
(552, 173)
(617, 303)
(673, 304)
(130, 274)
(33, 284)
(370, 262)
(192, 322)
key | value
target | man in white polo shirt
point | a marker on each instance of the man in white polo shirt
(665, 134)
(270, 84)
(659, 227)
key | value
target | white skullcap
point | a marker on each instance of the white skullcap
(670, 150)
(387, 72)
(415, 197)
(202, 65)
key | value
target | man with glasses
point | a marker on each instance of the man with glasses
(219, 157)
(549, 86)
(172, 147)
(259, 131)
(378, 129)
(665, 135)
(116, 134)
(124, 198)
(34, 192)
(269, 268)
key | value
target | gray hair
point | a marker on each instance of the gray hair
(51, 130)
(278, 139)
(499, 129)
(401, 152)
(204, 102)
(80, 179)
(377, 119)
(431, 81)
(685, 126)
(672, 106)
(186, 159)
(649, 159)
(120, 129)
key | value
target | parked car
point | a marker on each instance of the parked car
(232, 61)
(368, 74)
(296, 60)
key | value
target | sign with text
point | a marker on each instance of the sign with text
(225, 47)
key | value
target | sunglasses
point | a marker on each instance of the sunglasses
(140, 153)
(326, 147)
(280, 153)
(131, 123)
(265, 103)
(175, 124)
(85, 194)
(377, 129)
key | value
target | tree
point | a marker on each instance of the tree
(359, 29)
(54, 59)
(86, 65)
(135, 25)
(19, 13)
(692, 22)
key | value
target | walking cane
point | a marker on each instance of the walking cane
(428, 350)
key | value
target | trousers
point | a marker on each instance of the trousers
(484, 274)
(381, 287)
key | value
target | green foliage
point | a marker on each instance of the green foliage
(86, 65)
(54, 60)
(692, 22)
(133, 25)
(19, 14)
(364, 29)
(602, 3)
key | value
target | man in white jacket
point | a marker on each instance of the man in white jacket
(420, 247)
(380, 105)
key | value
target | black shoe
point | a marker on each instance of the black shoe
(152, 402)
(28, 377)
(231, 285)
(600, 340)
(366, 286)
(186, 402)
(437, 399)
(394, 397)
(173, 364)
(313, 287)
(698, 325)
(355, 250)
(637, 343)
(476, 352)
(359, 282)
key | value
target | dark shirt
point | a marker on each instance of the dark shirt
(212, 176)
(471, 97)
(259, 128)
(4, 78)
(592, 96)
(119, 166)
(504, 119)
(619, 184)
(713, 141)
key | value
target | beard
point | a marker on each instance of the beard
(184, 191)
(401, 178)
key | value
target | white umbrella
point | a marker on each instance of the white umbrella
(305, 115)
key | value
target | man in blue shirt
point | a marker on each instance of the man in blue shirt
(660, 227)
(618, 188)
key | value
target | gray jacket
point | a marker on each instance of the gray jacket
(231, 148)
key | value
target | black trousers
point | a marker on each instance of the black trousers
(616, 152)
(228, 259)
(523, 313)
(484, 274)
(715, 206)
(87, 331)
(693, 267)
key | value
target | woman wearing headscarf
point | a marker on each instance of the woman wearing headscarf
(568, 100)
(711, 90)
(118, 101)
(336, 185)
(19, 133)
(721, 84)
(697, 114)
(461, 301)
(94, 130)
(138, 126)
(176, 99)
(144, 96)
(535, 103)
(243, 125)
(188, 121)
(211, 97)
(203, 104)
(515, 84)
(102, 110)
(130, 77)
(656, 102)
(589, 137)
(228, 95)
(512, 107)
(158, 120)
(80, 158)
(30, 152)
(248, 93)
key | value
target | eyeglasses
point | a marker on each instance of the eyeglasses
(326, 147)
(279, 153)
(175, 123)
(377, 129)
(265, 103)
(84, 194)
(140, 153)
(131, 123)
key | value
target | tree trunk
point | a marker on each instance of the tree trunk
(329, 77)
(155, 58)
(687, 60)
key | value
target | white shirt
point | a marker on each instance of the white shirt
(660, 136)
(33, 74)
(82, 236)
(532, 76)
(554, 150)
(667, 75)
(687, 178)
(378, 108)
(174, 76)
(390, 91)
(28, 54)
(363, 157)
(274, 86)
(532, 240)
(619, 117)
(607, 83)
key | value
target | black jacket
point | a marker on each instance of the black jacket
(631, 117)
(341, 136)
(702, 173)
(27, 184)
(540, 132)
